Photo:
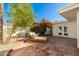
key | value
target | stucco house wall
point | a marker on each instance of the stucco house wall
(78, 29)
(72, 29)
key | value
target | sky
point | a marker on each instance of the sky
(42, 10)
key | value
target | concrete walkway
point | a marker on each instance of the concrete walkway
(4, 47)
(14, 46)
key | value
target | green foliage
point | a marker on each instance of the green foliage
(22, 15)
(41, 29)
(1, 31)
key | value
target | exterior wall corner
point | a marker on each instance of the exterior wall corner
(77, 29)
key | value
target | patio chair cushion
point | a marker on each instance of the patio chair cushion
(35, 34)
(36, 37)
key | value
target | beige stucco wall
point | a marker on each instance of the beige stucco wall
(78, 29)
(72, 29)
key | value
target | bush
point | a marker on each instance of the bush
(41, 29)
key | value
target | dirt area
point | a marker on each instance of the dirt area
(56, 46)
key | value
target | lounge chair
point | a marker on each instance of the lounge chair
(35, 37)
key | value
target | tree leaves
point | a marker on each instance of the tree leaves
(22, 15)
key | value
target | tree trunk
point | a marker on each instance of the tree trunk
(13, 29)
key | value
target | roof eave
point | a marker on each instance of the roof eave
(73, 6)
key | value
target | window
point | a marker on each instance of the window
(60, 33)
(60, 30)
(66, 34)
(65, 30)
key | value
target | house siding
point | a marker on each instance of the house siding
(72, 29)
(78, 29)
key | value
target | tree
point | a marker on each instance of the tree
(21, 16)
(41, 27)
